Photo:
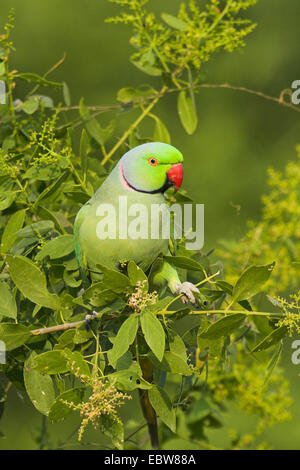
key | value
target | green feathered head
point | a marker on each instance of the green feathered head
(152, 167)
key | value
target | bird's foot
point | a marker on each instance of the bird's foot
(88, 318)
(188, 290)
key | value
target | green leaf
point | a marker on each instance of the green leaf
(136, 275)
(34, 78)
(126, 95)
(175, 360)
(44, 100)
(176, 344)
(2, 69)
(39, 387)
(54, 216)
(163, 407)
(66, 94)
(161, 133)
(37, 228)
(113, 428)
(274, 361)
(187, 113)
(175, 364)
(57, 247)
(8, 307)
(84, 145)
(228, 288)
(59, 409)
(114, 280)
(82, 335)
(154, 333)
(147, 68)
(51, 362)
(14, 224)
(130, 379)
(31, 282)
(184, 262)
(251, 281)
(30, 105)
(92, 126)
(125, 337)
(174, 22)
(262, 324)
(6, 199)
(224, 326)
(69, 278)
(66, 340)
(214, 346)
(52, 191)
(76, 363)
(14, 335)
(271, 339)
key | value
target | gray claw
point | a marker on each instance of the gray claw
(187, 289)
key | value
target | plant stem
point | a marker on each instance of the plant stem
(133, 126)
(226, 312)
(180, 295)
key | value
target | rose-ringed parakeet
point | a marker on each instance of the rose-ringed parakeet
(142, 175)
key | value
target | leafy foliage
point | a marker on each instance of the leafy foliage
(200, 357)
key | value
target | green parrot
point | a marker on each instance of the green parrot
(142, 175)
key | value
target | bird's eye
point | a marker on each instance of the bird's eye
(152, 161)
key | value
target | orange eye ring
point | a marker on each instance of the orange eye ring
(152, 161)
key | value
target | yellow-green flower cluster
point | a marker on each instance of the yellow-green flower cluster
(6, 167)
(103, 400)
(48, 149)
(189, 39)
(139, 299)
(291, 308)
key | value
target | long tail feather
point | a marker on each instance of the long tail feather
(147, 408)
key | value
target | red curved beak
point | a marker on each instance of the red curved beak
(175, 175)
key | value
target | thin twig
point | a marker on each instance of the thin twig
(225, 312)
(64, 326)
(54, 67)
(279, 100)
(133, 126)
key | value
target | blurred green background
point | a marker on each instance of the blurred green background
(238, 137)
